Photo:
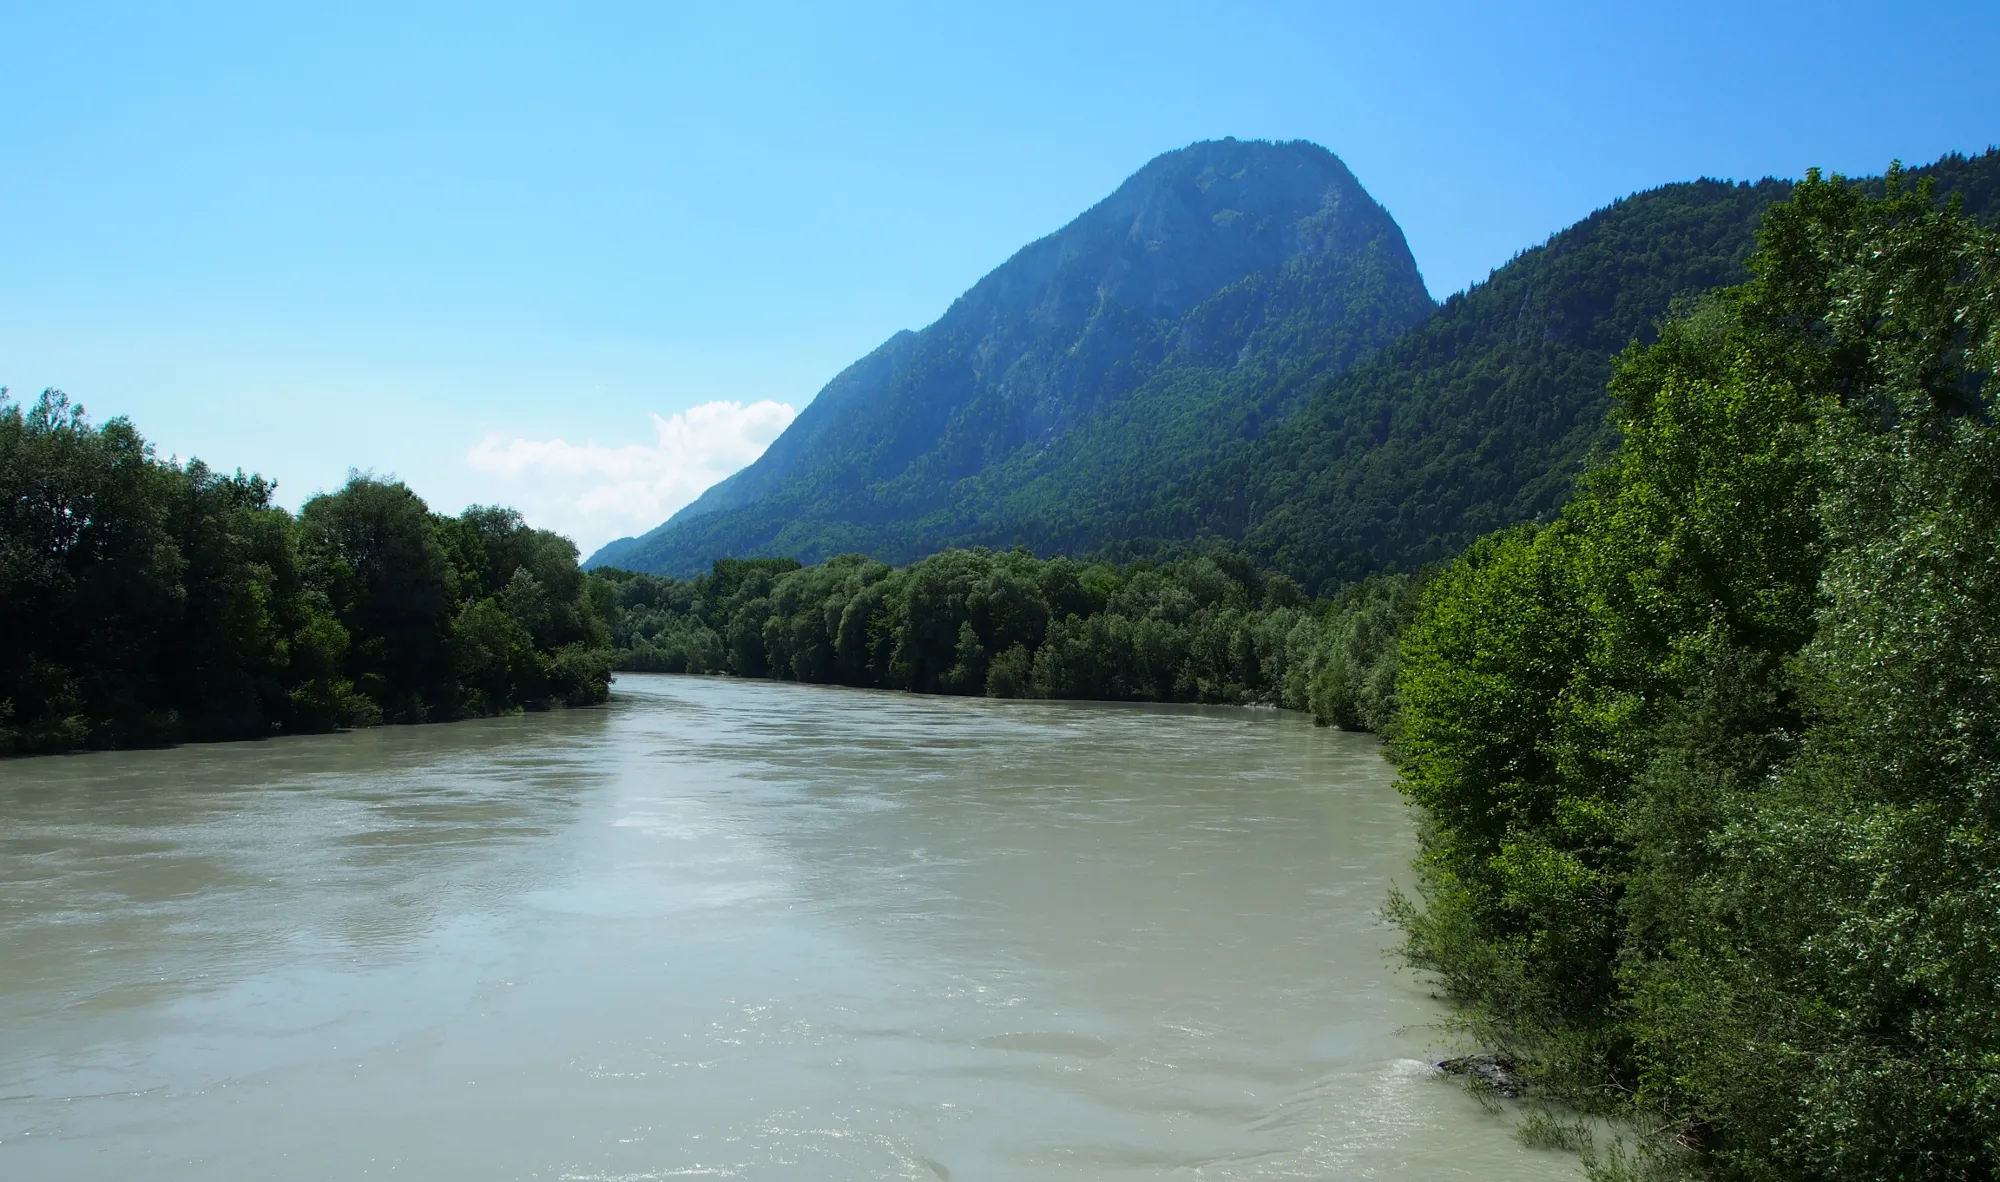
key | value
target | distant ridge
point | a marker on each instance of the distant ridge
(1184, 312)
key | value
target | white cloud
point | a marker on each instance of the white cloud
(595, 493)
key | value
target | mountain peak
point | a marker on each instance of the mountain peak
(1160, 325)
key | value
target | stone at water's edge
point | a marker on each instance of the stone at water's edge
(1496, 1073)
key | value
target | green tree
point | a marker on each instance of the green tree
(1704, 764)
(375, 551)
(161, 601)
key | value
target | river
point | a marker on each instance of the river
(725, 929)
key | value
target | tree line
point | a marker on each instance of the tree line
(157, 601)
(149, 601)
(1005, 624)
(1709, 766)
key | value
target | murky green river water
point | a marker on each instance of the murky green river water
(724, 929)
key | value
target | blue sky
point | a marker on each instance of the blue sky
(587, 260)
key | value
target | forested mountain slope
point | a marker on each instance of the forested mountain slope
(1480, 416)
(1483, 415)
(1182, 313)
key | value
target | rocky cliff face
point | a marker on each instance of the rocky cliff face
(1170, 321)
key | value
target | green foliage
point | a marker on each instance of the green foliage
(1707, 764)
(1210, 628)
(1484, 415)
(1480, 417)
(154, 602)
(1543, 1129)
(1354, 685)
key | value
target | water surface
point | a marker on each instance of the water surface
(725, 929)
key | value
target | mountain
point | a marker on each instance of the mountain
(1483, 415)
(1172, 321)
(1477, 418)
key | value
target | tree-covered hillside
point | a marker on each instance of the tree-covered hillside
(1484, 415)
(1185, 311)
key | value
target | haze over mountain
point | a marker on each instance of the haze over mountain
(1181, 314)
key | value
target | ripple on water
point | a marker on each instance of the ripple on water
(725, 929)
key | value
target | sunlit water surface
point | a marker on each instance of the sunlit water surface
(725, 929)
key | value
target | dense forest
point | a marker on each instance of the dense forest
(1204, 628)
(1706, 764)
(1484, 415)
(151, 602)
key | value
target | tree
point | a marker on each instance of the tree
(1706, 764)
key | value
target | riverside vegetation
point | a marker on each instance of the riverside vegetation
(151, 601)
(171, 603)
(1202, 628)
(1707, 765)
